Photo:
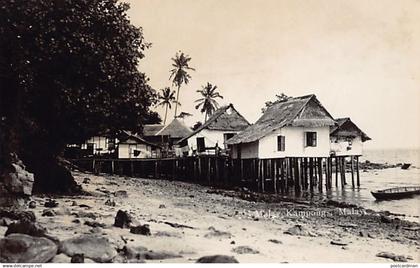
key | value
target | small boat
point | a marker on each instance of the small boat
(396, 193)
(405, 166)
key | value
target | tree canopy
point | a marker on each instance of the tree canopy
(279, 98)
(68, 70)
(208, 102)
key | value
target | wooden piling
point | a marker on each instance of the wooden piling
(352, 171)
(320, 174)
(357, 171)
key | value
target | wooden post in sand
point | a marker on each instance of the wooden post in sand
(285, 176)
(311, 174)
(357, 171)
(320, 174)
(275, 176)
(336, 171)
(352, 171)
(112, 167)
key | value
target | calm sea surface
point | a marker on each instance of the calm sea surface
(387, 178)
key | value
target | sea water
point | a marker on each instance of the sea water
(372, 180)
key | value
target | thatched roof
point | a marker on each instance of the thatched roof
(346, 128)
(176, 129)
(126, 136)
(305, 111)
(151, 129)
(226, 118)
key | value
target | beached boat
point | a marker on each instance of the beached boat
(396, 193)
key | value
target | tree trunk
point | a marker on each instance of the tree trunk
(166, 113)
(177, 100)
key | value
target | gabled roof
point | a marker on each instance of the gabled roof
(224, 121)
(347, 128)
(176, 129)
(151, 129)
(304, 111)
(127, 135)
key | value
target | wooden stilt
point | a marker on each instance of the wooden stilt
(320, 174)
(357, 171)
(275, 176)
(352, 171)
(311, 174)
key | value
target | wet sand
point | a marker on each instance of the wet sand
(220, 221)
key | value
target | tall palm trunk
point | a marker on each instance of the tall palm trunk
(166, 113)
(176, 104)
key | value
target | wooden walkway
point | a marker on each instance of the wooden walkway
(278, 175)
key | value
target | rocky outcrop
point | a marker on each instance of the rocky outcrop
(22, 248)
(93, 247)
(15, 184)
(217, 259)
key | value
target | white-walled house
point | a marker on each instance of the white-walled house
(347, 138)
(132, 146)
(297, 127)
(214, 133)
(100, 144)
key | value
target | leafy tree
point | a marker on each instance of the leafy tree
(208, 102)
(179, 74)
(279, 98)
(68, 71)
(167, 98)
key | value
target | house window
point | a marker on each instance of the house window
(201, 146)
(227, 136)
(281, 146)
(310, 139)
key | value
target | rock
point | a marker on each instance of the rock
(298, 230)
(167, 234)
(51, 203)
(162, 206)
(141, 253)
(78, 258)
(16, 183)
(48, 213)
(245, 250)
(84, 206)
(385, 219)
(5, 222)
(93, 247)
(110, 202)
(74, 203)
(61, 258)
(122, 219)
(338, 243)
(86, 180)
(121, 193)
(275, 241)
(216, 233)
(392, 256)
(32, 204)
(95, 224)
(18, 215)
(232, 242)
(75, 221)
(85, 214)
(22, 248)
(141, 229)
(25, 227)
(217, 259)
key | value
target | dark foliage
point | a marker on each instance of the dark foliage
(68, 71)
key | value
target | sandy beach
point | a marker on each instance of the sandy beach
(189, 221)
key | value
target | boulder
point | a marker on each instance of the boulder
(91, 246)
(122, 219)
(245, 250)
(217, 259)
(15, 184)
(18, 215)
(121, 193)
(298, 230)
(86, 180)
(51, 203)
(48, 213)
(141, 229)
(26, 227)
(142, 253)
(21, 248)
(78, 258)
(32, 204)
(110, 203)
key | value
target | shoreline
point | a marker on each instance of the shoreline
(190, 221)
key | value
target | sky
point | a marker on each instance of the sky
(360, 58)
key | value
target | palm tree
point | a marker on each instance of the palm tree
(208, 101)
(166, 98)
(179, 74)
